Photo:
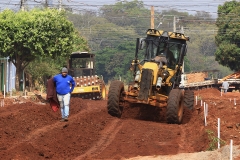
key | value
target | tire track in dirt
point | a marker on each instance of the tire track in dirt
(107, 136)
(184, 132)
(182, 143)
(40, 131)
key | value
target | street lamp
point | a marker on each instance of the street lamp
(174, 21)
(159, 24)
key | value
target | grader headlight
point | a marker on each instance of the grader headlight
(137, 77)
(134, 64)
(165, 74)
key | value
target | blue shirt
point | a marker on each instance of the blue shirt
(64, 85)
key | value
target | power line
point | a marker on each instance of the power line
(177, 6)
(130, 17)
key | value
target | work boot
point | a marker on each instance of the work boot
(62, 120)
(66, 119)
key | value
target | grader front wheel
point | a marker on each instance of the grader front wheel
(115, 99)
(175, 107)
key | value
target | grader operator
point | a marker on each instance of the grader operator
(156, 78)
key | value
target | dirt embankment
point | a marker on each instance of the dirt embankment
(31, 130)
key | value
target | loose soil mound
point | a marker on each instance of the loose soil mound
(29, 129)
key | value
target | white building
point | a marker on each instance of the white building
(7, 75)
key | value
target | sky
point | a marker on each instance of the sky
(190, 6)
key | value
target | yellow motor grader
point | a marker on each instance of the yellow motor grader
(88, 85)
(156, 78)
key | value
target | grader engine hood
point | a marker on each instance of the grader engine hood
(165, 73)
(154, 67)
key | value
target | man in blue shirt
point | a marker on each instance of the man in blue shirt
(64, 86)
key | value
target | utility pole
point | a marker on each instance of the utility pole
(174, 24)
(152, 17)
(22, 5)
(60, 5)
(182, 30)
(46, 3)
(174, 21)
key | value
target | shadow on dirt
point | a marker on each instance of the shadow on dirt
(144, 112)
(150, 113)
(41, 99)
(187, 115)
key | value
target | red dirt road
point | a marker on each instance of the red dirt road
(31, 130)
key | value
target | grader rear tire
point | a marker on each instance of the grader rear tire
(175, 107)
(189, 99)
(115, 99)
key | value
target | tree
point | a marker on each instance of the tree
(228, 37)
(26, 36)
(115, 62)
(124, 13)
(201, 48)
(125, 21)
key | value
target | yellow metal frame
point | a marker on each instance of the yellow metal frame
(154, 67)
(174, 35)
(86, 89)
(159, 100)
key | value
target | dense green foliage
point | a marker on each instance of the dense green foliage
(45, 68)
(120, 24)
(125, 14)
(31, 35)
(228, 37)
(118, 61)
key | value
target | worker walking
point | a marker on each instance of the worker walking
(225, 86)
(64, 86)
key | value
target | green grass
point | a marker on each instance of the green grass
(213, 141)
